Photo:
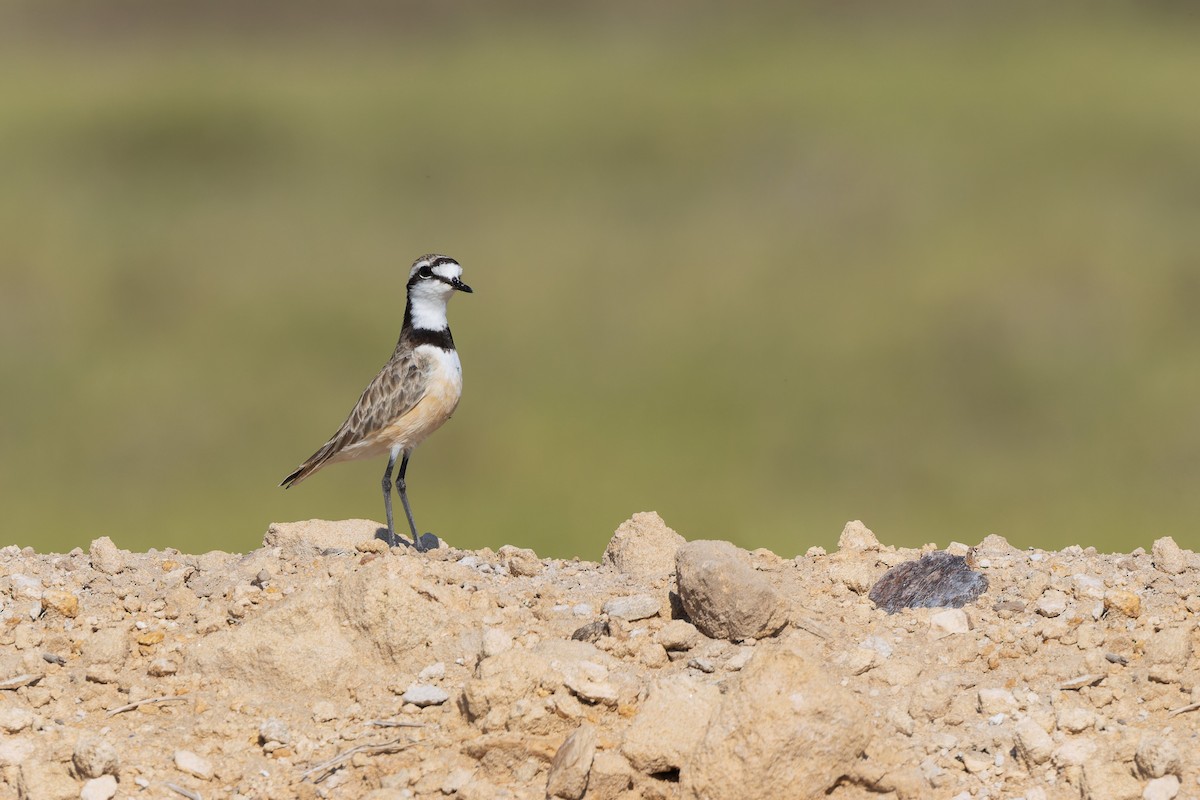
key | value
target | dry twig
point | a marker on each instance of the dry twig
(327, 768)
(182, 698)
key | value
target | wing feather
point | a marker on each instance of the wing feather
(392, 393)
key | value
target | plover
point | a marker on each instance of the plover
(412, 396)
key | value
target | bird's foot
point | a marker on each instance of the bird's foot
(426, 542)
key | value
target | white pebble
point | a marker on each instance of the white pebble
(422, 695)
(189, 762)
(102, 788)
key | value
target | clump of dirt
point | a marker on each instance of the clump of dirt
(325, 665)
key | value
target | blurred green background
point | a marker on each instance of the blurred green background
(761, 268)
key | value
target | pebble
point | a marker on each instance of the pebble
(324, 711)
(678, 634)
(423, 694)
(1052, 603)
(274, 731)
(1156, 757)
(496, 641)
(724, 596)
(948, 622)
(105, 556)
(1164, 788)
(61, 602)
(857, 537)
(996, 701)
(102, 788)
(1167, 556)
(1124, 602)
(568, 774)
(14, 718)
(456, 780)
(192, 764)
(1034, 745)
(434, 672)
(632, 608)
(520, 562)
(94, 757)
(161, 667)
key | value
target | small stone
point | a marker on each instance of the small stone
(422, 695)
(377, 546)
(588, 681)
(434, 672)
(857, 537)
(643, 547)
(592, 632)
(1167, 556)
(1124, 602)
(1052, 603)
(192, 764)
(996, 701)
(1104, 780)
(1034, 745)
(61, 602)
(457, 779)
(1164, 788)
(161, 667)
(105, 556)
(1076, 719)
(635, 607)
(520, 562)
(274, 731)
(610, 776)
(496, 641)
(948, 622)
(568, 776)
(975, 762)
(1157, 757)
(678, 634)
(724, 596)
(102, 788)
(94, 757)
(14, 718)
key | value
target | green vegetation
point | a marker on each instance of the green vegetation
(762, 275)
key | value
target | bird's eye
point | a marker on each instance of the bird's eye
(425, 272)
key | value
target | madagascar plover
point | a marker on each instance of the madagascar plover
(412, 396)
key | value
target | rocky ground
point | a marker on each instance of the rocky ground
(322, 665)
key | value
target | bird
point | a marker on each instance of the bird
(413, 395)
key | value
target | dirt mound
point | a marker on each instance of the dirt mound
(323, 665)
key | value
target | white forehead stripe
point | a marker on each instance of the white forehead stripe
(448, 270)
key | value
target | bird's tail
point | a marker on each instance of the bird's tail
(314, 463)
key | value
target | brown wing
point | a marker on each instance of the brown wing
(394, 391)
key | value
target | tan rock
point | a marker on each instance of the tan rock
(1123, 602)
(723, 595)
(1168, 557)
(670, 724)
(785, 729)
(643, 546)
(1104, 780)
(857, 537)
(569, 769)
(314, 536)
(61, 602)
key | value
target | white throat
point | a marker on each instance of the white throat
(429, 310)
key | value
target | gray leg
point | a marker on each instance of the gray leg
(401, 488)
(392, 541)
